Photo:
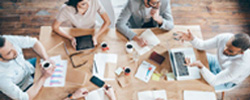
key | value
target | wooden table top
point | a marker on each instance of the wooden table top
(79, 77)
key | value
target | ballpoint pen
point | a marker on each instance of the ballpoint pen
(95, 66)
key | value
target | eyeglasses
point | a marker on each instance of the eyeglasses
(153, 4)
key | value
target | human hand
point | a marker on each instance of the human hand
(184, 36)
(73, 42)
(94, 38)
(196, 63)
(109, 91)
(140, 41)
(159, 99)
(80, 93)
(46, 73)
(155, 13)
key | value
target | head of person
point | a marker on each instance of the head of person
(78, 4)
(152, 3)
(7, 50)
(237, 45)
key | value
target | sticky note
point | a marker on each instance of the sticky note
(156, 77)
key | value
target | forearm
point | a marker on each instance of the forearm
(223, 77)
(204, 44)
(61, 33)
(103, 28)
(34, 89)
(166, 24)
(40, 50)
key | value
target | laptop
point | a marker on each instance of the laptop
(177, 60)
(84, 42)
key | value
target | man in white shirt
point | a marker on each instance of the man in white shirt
(231, 66)
(15, 71)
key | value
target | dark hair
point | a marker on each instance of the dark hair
(73, 3)
(241, 40)
(2, 42)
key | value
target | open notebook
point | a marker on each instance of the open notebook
(152, 95)
(97, 94)
(150, 37)
(199, 95)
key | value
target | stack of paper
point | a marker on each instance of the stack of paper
(99, 65)
(96, 95)
(145, 71)
(152, 95)
(58, 77)
(199, 95)
(151, 39)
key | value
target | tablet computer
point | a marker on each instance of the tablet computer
(84, 42)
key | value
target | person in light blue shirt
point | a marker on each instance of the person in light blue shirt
(15, 71)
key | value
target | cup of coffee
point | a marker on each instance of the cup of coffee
(104, 46)
(129, 47)
(46, 64)
(127, 71)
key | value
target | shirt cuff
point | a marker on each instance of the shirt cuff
(25, 96)
(194, 40)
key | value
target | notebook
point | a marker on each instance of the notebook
(97, 95)
(199, 95)
(152, 40)
(84, 42)
(152, 95)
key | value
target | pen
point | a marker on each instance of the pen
(65, 47)
(95, 67)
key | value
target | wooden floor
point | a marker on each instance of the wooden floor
(24, 17)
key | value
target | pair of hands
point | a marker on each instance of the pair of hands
(182, 36)
(83, 92)
(73, 41)
(155, 12)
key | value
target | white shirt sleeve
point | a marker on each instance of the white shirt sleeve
(12, 90)
(205, 44)
(22, 41)
(227, 75)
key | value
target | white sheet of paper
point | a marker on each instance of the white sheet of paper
(101, 59)
(96, 95)
(152, 95)
(59, 76)
(199, 95)
(150, 37)
(143, 70)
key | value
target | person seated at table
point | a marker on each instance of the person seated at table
(144, 14)
(81, 14)
(15, 71)
(231, 64)
(83, 92)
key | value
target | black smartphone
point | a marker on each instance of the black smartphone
(98, 82)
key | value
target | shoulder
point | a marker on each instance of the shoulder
(226, 36)
(66, 8)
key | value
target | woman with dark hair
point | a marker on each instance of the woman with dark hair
(81, 14)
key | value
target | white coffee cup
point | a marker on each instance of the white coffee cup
(129, 47)
(46, 64)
